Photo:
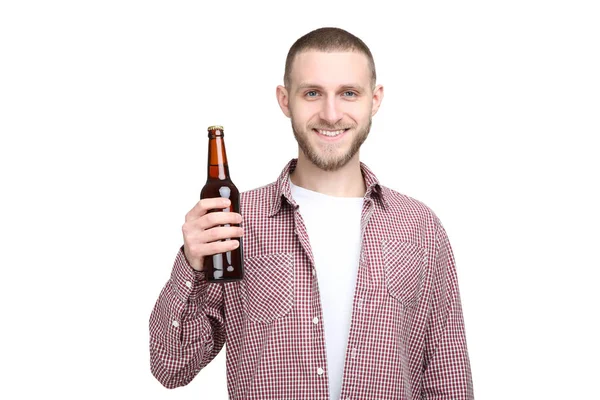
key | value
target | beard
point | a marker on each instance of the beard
(327, 157)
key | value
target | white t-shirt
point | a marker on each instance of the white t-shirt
(333, 227)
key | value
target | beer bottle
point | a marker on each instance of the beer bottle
(222, 267)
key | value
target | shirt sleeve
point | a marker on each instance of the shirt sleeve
(187, 326)
(447, 373)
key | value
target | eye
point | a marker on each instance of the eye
(312, 93)
(349, 93)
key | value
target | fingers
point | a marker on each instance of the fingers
(219, 233)
(219, 247)
(217, 218)
(204, 205)
(193, 236)
(195, 252)
(209, 230)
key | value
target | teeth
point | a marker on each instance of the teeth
(331, 133)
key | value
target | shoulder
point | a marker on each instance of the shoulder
(260, 199)
(402, 204)
(260, 191)
(409, 217)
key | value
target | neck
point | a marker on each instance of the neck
(344, 182)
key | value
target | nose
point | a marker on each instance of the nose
(330, 111)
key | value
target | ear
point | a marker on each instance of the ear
(283, 99)
(377, 99)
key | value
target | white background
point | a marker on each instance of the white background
(490, 117)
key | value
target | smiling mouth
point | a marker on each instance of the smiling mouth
(329, 133)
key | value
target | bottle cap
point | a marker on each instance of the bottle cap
(214, 127)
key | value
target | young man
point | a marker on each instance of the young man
(350, 288)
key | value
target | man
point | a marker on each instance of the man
(350, 288)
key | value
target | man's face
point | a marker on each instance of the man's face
(330, 102)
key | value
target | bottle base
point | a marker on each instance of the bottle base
(225, 280)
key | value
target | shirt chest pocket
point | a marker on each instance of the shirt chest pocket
(267, 290)
(404, 265)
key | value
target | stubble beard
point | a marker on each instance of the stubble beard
(327, 159)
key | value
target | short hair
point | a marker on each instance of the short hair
(328, 40)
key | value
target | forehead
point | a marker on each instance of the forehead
(330, 68)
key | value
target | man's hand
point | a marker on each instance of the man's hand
(202, 233)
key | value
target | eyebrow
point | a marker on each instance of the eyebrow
(307, 85)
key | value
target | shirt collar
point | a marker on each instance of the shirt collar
(283, 190)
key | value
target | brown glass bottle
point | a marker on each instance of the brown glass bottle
(228, 266)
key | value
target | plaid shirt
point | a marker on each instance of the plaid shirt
(406, 338)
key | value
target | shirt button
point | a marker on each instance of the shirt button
(360, 302)
(175, 324)
(188, 284)
(354, 352)
(313, 272)
(315, 320)
(320, 371)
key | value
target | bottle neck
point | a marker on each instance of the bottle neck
(217, 159)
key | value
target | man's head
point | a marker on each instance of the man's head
(330, 87)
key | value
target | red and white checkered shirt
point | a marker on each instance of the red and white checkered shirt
(406, 338)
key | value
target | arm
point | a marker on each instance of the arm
(186, 325)
(447, 370)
